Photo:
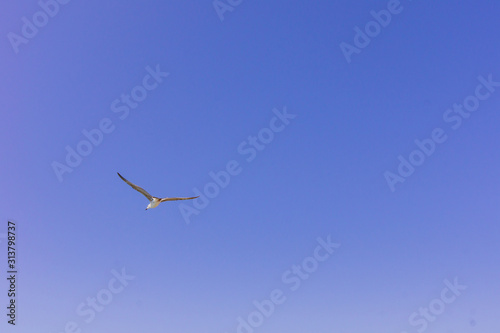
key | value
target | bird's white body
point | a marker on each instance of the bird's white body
(153, 201)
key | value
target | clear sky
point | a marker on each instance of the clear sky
(354, 146)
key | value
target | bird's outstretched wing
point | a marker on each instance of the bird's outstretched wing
(174, 199)
(137, 188)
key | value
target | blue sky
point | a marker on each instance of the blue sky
(317, 177)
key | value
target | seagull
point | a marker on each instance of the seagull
(153, 201)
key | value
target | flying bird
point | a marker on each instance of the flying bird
(153, 201)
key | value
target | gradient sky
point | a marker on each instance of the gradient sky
(322, 175)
